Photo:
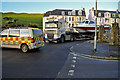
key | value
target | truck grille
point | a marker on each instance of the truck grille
(50, 36)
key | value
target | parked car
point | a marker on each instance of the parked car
(24, 39)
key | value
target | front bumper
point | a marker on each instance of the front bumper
(55, 39)
(35, 45)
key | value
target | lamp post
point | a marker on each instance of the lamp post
(95, 38)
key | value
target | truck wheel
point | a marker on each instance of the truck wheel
(62, 39)
(24, 48)
(55, 42)
(46, 41)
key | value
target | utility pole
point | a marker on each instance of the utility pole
(95, 38)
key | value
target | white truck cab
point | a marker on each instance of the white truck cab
(57, 30)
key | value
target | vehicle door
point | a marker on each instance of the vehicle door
(38, 37)
(13, 38)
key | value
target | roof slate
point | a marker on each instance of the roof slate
(104, 11)
(59, 12)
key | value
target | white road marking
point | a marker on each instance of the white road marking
(74, 61)
(74, 57)
(71, 72)
(72, 65)
(58, 73)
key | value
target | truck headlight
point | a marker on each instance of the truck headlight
(55, 36)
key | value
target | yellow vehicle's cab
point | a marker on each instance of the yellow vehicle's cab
(24, 39)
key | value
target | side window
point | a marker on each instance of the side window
(24, 33)
(37, 33)
(87, 22)
(91, 22)
(14, 33)
(4, 33)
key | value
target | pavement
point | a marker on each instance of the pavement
(104, 50)
(82, 63)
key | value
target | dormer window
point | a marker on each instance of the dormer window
(69, 13)
(113, 15)
(63, 13)
(105, 15)
(80, 13)
(73, 12)
(99, 14)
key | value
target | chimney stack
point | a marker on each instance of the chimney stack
(89, 10)
(117, 11)
(83, 9)
(93, 9)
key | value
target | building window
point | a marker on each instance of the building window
(72, 25)
(69, 25)
(66, 19)
(80, 13)
(69, 18)
(113, 20)
(69, 13)
(99, 14)
(113, 14)
(63, 13)
(80, 19)
(72, 18)
(105, 15)
(73, 12)
(100, 19)
(107, 20)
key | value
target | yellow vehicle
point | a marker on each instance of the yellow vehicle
(24, 39)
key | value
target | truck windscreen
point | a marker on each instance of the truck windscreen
(51, 24)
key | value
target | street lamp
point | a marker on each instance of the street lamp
(95, 38)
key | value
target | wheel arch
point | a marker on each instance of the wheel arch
(23, 44)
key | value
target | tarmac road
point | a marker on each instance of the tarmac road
(55, 61)
(43, 63)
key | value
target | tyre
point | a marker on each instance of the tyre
(24, 48)
(62, 39)
(55, 42)
(46, 41)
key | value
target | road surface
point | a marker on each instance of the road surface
(54, 61)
